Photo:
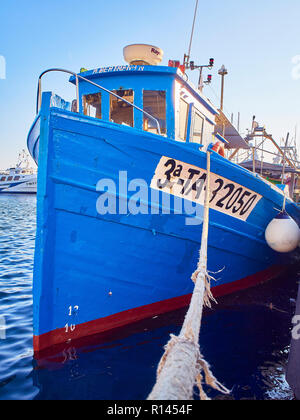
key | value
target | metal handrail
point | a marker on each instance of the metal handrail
(77, 77)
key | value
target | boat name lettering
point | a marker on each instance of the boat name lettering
(118, 68)
(189, 182)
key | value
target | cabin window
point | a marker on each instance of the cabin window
(3, 178)
(198, 128)
(92, 105)
(16, 178)
(155, 105)
(120, 111)
(183, 119)
(9, 178)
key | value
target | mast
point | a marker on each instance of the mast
(187, 56)
(222, 72)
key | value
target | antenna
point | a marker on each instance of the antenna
(187, 64)
(222, 72)
(284, 156)
(187, 56)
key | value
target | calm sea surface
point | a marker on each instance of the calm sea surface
(246, 339)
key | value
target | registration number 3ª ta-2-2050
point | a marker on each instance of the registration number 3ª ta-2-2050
(189, 182)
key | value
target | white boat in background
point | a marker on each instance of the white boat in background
(22, 179)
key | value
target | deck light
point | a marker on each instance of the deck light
(174, 63)
(209, 79)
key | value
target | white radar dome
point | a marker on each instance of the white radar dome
(143, 54)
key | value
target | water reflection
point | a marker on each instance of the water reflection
(246, 338)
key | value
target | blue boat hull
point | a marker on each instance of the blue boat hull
(97, 272)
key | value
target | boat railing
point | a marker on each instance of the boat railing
(77, 77)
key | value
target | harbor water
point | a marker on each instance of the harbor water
(245, 338)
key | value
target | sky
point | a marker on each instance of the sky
(258, 41)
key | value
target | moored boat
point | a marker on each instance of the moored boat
(121, 184)
(22, 179)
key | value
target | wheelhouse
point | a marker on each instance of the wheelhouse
(184, 114)
(147, 97)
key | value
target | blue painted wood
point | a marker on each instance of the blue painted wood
(145, 81)
(82, 257)
(154, 73)
(35, 130)
(106, 264)
(190, 124)
(221, 138)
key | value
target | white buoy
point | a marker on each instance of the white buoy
(283, 233)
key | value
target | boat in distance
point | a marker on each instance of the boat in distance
(21, 179)
(121, 186)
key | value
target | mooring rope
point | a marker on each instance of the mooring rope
(182, 366)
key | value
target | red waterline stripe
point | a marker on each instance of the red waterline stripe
(121, 319)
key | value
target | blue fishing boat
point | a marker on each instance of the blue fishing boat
(121, 185)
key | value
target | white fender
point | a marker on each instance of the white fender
(283, 233)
